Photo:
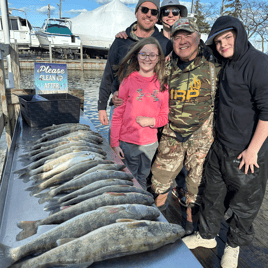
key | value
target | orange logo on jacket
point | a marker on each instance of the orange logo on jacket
(187, 95)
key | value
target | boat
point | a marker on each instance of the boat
(20, 29)
(58, 33)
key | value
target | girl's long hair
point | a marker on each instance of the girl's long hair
(130, 62)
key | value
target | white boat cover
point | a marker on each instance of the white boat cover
(97, 28)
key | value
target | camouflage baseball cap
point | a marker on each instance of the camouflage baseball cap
(187, 24)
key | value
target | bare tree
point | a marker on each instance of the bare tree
(255, 17)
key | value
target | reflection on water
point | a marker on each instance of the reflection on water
(89, 81)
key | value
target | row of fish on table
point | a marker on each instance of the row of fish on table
(98, 212)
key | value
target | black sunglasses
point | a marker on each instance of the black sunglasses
(175, 12)
(145, 10)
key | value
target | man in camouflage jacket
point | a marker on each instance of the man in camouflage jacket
(187, 138)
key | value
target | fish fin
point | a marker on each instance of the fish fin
(22, 170)
(5, 256)
(29, 229)
(125, 220)
(34, 189)
(44, 197)
(26, 179)
(52, 205)
(54, 211)
(64, 241)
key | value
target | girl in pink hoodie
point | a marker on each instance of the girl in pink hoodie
(145, 107)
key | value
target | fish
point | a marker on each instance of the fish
(106, 189)
(61, 167)
(77, 227)
(54, 126)
(102, 167)
(76, 184)
(92, 187)
(99, 153)
(106, 199)
(64, 176)
(67, 131)
(43, 147)
(78, 135)
(63, 146)
(110, 241)
(45, 164)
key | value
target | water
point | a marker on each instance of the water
(89, 81)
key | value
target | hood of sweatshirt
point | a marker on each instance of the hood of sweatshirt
(241, 42)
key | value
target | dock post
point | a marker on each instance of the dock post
(15, 64)
(50, 52)
(3, 94)
(81, 56)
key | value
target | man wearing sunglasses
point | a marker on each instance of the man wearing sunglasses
(146, 12)
(170, 11)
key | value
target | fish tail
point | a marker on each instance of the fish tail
(26, 179)
(5, 256)
(21, 171)
(44, 197)
(34, 189)
(53, 204)
(29, 228)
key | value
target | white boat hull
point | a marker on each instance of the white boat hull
(58, 40)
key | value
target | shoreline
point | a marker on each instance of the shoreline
(88, 64)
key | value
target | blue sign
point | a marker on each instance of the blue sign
(50, 78)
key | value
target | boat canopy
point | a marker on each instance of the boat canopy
(59, 29)
(99, 26)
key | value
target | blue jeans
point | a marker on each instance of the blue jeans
(110, 122)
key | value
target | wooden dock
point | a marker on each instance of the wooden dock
(253, 256)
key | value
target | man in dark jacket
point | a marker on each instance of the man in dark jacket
(237, 166)
(147, 15)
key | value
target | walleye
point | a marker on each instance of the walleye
(77, 227)
(125, 237)
(106, 189)
(64, 176)
(44, 151)
(92, 187)
(80, 136)
(67, 131)
(46, 164)
(76, 184)
(61, 167)
(85, 135)
(30, 227)
(53, 127)
(43, 147)
(97, 152)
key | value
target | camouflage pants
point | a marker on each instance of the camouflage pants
(172, 155)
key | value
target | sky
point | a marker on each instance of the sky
(37, 10)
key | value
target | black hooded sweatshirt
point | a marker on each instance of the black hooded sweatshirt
(118, 50)
(243, 89)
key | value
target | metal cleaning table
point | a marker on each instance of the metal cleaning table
(17, 205)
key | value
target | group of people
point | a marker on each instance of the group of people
(211, 100)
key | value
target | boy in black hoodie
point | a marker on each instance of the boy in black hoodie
(237, 164)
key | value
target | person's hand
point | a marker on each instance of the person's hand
(103, 117)
(116, 101)
(119, 152)
(249, 159)
(122, 35)
(145, 121)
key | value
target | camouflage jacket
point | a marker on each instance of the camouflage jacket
(190, 95)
